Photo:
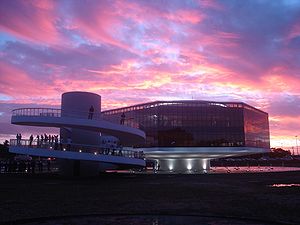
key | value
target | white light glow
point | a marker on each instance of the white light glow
(189, 166)
(95, 153)
(79, 150)
(204, 164)
(171, 164)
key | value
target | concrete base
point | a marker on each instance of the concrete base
(183, 165)
(69, 167)
(83, 168)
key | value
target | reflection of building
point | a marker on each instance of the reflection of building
(185, 135)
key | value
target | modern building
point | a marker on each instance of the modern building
(185, 135)
(82, 129)
(178, 136)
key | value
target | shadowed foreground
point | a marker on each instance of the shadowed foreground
(236, 195)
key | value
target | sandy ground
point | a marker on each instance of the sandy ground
(238, 195)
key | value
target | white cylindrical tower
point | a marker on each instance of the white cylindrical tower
(82, 105)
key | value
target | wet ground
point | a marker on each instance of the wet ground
(247, 197)
(252, 169)
(147, 220)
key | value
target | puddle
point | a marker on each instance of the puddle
(252, 169)
(284, 185)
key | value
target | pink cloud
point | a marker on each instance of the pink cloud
(31, 20)
(185, 16)
(211, 4)
(149, 50)
(15, 82)
(294, 30)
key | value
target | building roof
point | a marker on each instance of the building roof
(182, 102)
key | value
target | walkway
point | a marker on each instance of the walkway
(77, 152)
(49, 117)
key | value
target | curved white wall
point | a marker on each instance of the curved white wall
(77, 101)
(77, 104)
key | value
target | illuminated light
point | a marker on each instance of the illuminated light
(80, 150)
(50, 147)
(95, 153)
(64, 149)
(171, 164)
(204, 164)
(189, 164)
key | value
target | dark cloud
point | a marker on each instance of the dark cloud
(44, 62)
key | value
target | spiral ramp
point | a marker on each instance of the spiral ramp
(127, 135)
(45, 117)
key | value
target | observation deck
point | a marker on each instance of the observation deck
(50, 117)
(74, 151)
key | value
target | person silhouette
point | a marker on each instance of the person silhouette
(91, 112)
(30, 140)
(122, 119)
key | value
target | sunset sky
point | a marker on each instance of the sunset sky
(137, 51)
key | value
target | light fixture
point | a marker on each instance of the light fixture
(80, 150)
(204, 164)
(189, 164)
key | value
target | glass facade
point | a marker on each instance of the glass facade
(256, 128)
(196, 124)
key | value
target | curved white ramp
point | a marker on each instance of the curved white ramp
(78, 152)
(54, 118)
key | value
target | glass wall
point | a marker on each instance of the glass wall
(196, 123)
(256, 128)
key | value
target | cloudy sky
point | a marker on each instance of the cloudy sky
(136, 51)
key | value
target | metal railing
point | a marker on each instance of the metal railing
(92, 149)
(52, 112)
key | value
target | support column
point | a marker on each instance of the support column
(77, 105)
(184, 165)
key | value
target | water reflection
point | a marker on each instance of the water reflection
(284, 185)
(252, 169)
(149, 220)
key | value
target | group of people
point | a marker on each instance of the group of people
(46, 139)
(41, 140)
(54, 142)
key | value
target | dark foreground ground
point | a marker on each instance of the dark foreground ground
(233, 195)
